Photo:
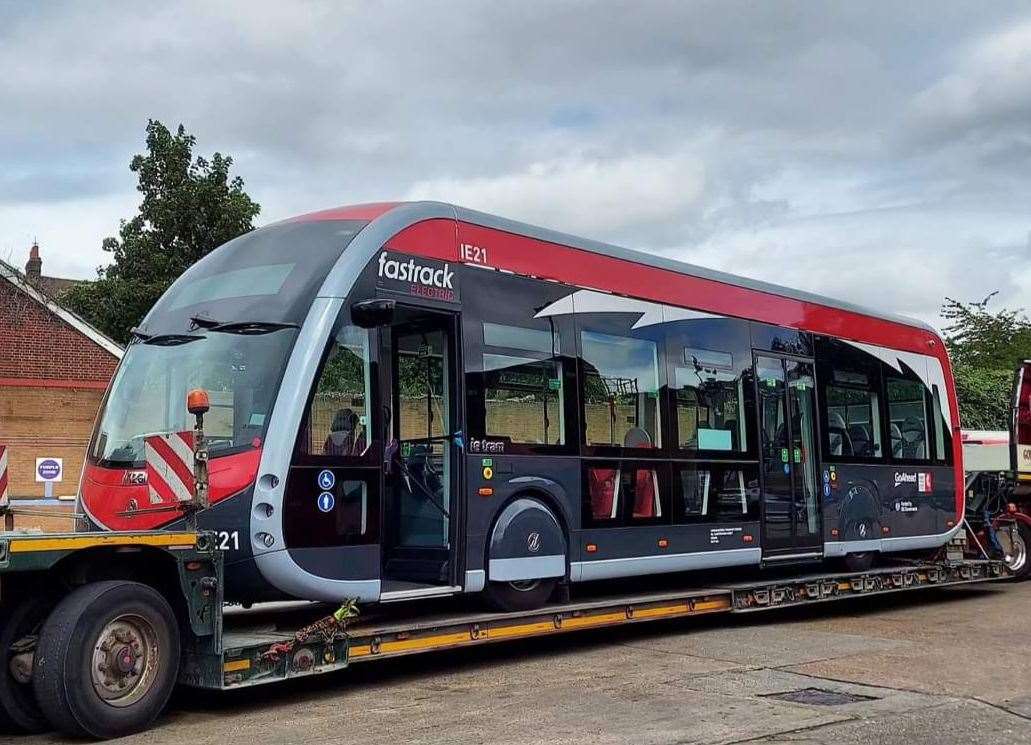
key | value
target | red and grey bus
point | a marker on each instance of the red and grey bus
(415, 399)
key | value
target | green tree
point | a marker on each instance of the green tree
(985, 347)
(189, 207)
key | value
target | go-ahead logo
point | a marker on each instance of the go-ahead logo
(428, 279)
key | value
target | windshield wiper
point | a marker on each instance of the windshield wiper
(169, 340)
(161, 340)
(240, 327)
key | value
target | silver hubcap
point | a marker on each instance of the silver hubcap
(1014, 547)
(125, 660)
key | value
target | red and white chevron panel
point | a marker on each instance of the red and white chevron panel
(5, 495)
(169, 467)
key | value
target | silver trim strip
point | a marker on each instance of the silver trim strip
(475, 580)
(841, 548)
(527, 567)
(585, 571)
(791, 557)
(888, 545)
(396, 596)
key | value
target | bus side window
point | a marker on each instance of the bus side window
(850, 403)
(625, 493)
(524, 393)
(907, 415)
(338, 417)
(716, 492)
(520, 373)
(620, 391)
(941, 449)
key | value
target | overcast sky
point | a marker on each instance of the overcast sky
(878, 152)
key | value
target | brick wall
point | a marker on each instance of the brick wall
(34, 343)
(46, 422)
(52, 379)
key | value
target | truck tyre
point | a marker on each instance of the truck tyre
(1016, 542)
(521, 595)
(107, 660)
(859, 562)
(19, 712)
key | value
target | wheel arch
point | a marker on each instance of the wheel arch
(147, 565)
(551, 504)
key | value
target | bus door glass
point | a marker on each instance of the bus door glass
(787, 414)
(424, 480)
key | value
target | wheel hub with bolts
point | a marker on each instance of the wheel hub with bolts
(125, 660)
(1014, 547)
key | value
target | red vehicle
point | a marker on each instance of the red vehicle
(1014, 527)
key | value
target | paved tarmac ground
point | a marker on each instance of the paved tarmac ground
(935, 666)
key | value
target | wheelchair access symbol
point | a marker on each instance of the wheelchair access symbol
(326, 501)
(326, 480)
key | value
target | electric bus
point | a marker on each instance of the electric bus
(417, 400)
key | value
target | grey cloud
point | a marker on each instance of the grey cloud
(789, 140)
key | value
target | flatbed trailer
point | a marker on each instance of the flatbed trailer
(77, 609)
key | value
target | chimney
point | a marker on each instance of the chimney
(34, 266)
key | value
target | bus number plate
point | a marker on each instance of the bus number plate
(471, 254)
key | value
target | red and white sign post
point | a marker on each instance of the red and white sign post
(5, 493)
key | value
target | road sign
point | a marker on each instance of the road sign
(49, 469)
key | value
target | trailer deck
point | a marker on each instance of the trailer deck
(265, 648)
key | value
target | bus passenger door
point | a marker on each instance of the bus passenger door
(424, 478)
(787, 422)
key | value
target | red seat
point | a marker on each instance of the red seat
(601, 483)
(644, 493)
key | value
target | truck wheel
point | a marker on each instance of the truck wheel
(1016, 542)
(19, 625)
(859, 562)
(520, 595)
(107, 660)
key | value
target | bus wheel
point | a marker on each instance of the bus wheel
(859, 562)
(107, 660)
(520, 595)
(19, 625)
(1016, 541)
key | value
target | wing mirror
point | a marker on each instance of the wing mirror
(370, 314)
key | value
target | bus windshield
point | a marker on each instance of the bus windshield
(240, 372)
(227, 325)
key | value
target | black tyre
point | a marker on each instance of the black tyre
(107, 660)
(521, 595)
(1016, 545)
(19, 624)
(859, 562)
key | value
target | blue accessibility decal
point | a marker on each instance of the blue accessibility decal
(326, 501)
(326, 480)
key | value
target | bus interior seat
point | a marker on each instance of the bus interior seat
(841, 443)
(914, 440)
(603, 486)
(345, 437)
(896, 441)
(862, 443)
(646, 480)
